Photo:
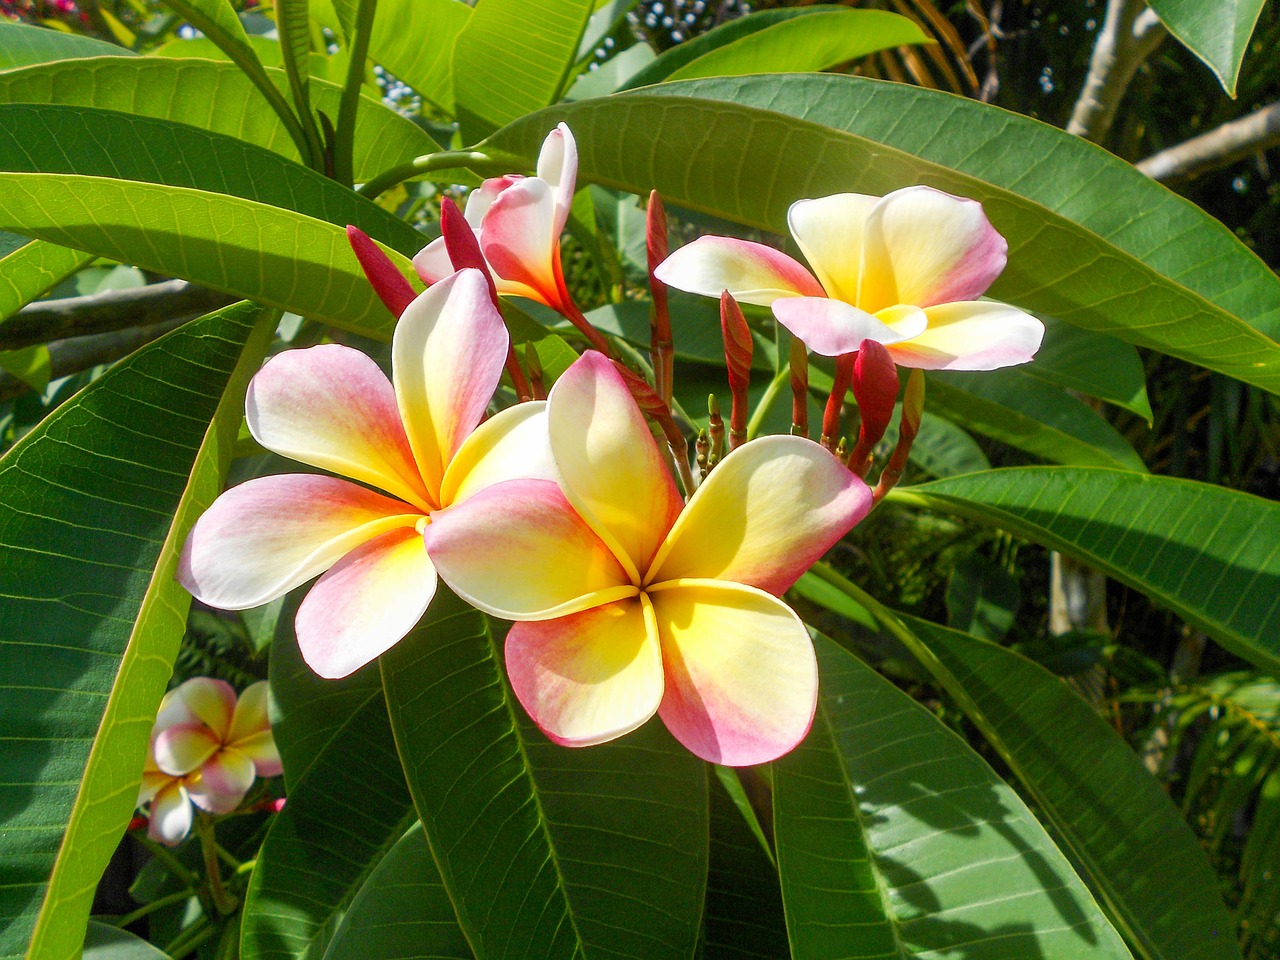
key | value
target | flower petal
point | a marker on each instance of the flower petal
(510, 445)
(742, 678)
(153, 780)
(250, 731)
(829, 232)
(212, 702)
(610, 466)
(433, 262)
(184, 747)
(764, 515)
(268, 535)
(751, 272)
(222, 782)
(446, 359)
(588, 677)
(250, 716)
(833, 327)
(518, 550)
(170, 815)
(365, 604)
(978, 335)
(929, 247)
(330, 406)
(558, 166)
(521, 241)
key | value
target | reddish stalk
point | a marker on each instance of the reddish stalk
(738, 348)
(799, 388)
(908, 428)
(835, 401)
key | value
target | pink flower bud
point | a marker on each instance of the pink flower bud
(388, 282)
(875, 386)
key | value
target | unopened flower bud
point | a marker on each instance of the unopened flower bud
(388, 283)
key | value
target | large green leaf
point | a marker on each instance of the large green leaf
(247, 249)
(1115, 819)
(748, 165)
(32, 270)
(513, 57)
(1027, 413)
(546, 851)
(402, 911)
(1004, 151)
(1216, 31)
(347, 808)
(1210, 554)
(819, 41)
(94, 505)
(1094, 364)
(414, 40)
(50, 138)
(22, 44)
(214, 96)
(896, 840)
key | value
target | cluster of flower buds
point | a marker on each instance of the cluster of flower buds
(630, 595)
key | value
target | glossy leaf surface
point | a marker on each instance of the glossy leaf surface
(31, 270)
(1117, 820)
(895, 839)
(1209, 554)
(22, 44)
(546, 851)
(88, 604)
(213, 96)
(1217, 32)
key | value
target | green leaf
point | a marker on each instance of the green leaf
(1094, 364)
(743, 917)
(982, 596)
(819, 41)
(293, 23)
(513, 57)
(104, 942)
(941, 449)
(748, 165)
(1117, 821)
(215, 97)
(1216, 31)
(1210, 554)
(414, 39)
(218, 21)
(683, 54)
(402, 911)
(22, 44)
(1015, 408)
(50, 138)
(546, 851)
(1002, 153)
(247, 249)
(94, 505)
(30, 365)
(895, 839)
(348, 806)
(308, 712)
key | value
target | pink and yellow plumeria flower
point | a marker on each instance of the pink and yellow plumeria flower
(518, 221)
(905, 270)
(630, 603)
(206, 749)
(418, 437)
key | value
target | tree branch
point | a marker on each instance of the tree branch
(80, 353)
(1219, 147)
(1130, 33)
(110, 310)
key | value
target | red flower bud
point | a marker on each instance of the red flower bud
(388, 283)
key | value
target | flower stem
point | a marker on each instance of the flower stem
(190, 938)
(154, 905)
(445, 160)
(223, 902)
(799, 388)
(766, 402)
(165, 856)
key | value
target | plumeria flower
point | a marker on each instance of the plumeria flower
(206, 749)
(629, 602)
(418, 437)
(518, 221)
(905, 270)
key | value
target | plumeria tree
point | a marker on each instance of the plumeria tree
(532, 416)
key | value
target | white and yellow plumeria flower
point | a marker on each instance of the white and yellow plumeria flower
(905, 270)
(419, 438)
(630, 603)
(518, 221)
(206, 749)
